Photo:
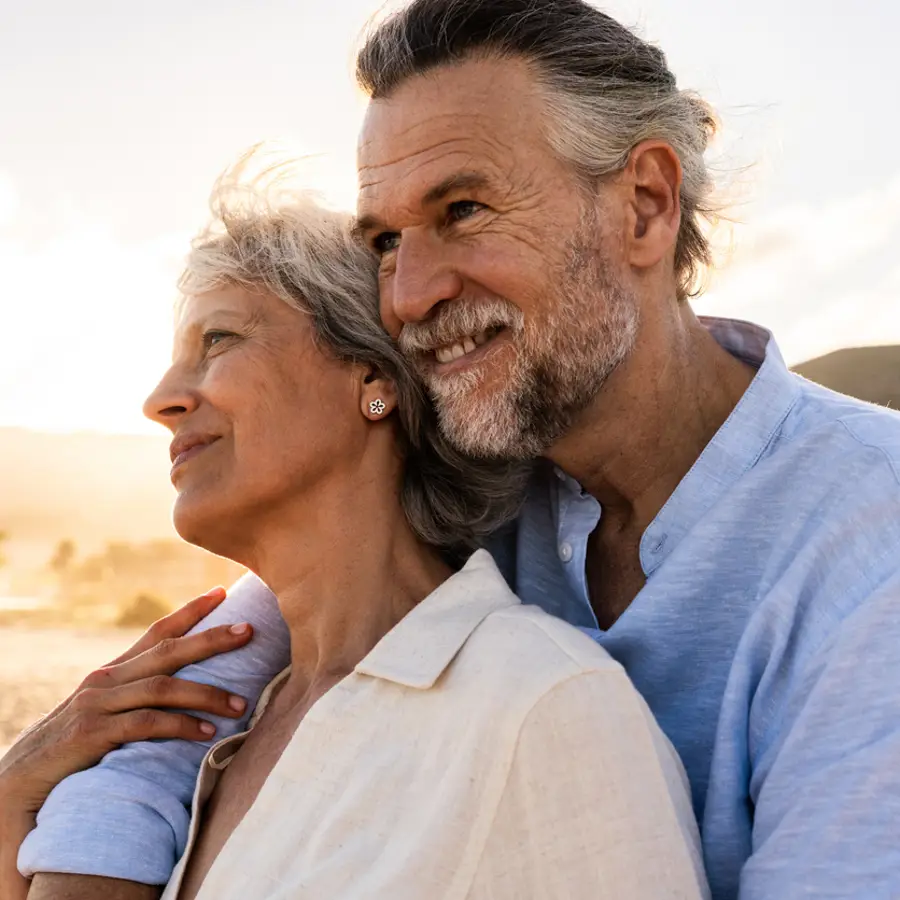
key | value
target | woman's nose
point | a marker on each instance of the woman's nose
(170, 400)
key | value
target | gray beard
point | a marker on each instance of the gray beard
(561, 363)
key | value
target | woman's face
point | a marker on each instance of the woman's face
(259, 415)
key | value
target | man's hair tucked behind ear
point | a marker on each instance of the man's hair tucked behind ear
(606, 89)
(267, 235)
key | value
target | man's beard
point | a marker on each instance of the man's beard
(561, 358)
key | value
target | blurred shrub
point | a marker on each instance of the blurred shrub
(142, 611)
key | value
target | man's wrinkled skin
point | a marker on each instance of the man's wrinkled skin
(466, 202)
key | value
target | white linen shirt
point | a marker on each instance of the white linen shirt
(482, 750)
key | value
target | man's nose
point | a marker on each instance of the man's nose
(171, 400)
(423, 277)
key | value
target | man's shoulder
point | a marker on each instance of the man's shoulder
(844, 432)
(821, 511)
(830, 478)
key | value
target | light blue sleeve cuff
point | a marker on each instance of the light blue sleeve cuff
(118, 825)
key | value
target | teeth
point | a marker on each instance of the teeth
(461, 348)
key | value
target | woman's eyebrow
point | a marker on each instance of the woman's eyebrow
(223, 316)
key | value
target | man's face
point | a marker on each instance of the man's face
(498, 274)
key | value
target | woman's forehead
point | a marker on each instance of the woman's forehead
(227, 301)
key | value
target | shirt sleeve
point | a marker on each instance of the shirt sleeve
(128, 816)
(597, 804)
(826, 789)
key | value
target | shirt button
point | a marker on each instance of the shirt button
(565, 552)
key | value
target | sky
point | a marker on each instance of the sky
(116, 117)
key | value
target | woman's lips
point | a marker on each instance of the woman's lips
(190, 453)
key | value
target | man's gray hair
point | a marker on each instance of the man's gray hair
(284, 241)
(607, 90)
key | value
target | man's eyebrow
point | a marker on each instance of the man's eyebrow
(458, 181)
(365, 225)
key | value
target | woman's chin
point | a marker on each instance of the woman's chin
(202, 519)
(193, 523)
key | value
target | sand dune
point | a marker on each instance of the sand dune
(869, 373)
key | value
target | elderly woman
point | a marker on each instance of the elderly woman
(431, 737)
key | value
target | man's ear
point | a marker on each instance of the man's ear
(378, 397)
(653, 179)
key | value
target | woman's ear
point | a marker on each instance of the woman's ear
(378, 396)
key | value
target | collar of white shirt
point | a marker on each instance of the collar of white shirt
(422, 645)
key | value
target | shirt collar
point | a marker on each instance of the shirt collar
(420, 647)
(736, 447)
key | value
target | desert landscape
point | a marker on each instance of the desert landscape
(28, 689)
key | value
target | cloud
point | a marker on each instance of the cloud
(821, 275)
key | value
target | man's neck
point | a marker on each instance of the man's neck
(653, 418)
(345, 567)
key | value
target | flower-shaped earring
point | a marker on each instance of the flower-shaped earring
(377, 407)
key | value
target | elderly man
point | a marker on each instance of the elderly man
(533, 182)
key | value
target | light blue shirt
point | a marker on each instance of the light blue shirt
(766, 641)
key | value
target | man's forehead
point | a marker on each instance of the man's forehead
(437, 118)
(426, 173)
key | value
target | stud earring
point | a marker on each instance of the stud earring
(377, 407)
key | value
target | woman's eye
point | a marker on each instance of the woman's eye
(463, 209)
(212, 338)
(385, 242)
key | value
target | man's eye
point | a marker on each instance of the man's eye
(385, 242)
(463, 209)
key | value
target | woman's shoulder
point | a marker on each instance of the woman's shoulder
(518, 648)
(528, 637)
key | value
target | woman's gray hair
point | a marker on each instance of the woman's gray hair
(606, 89)
(267, 236)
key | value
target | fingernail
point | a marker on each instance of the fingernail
(214, 592)
(243, 628)
(208, 728)
(237, 703)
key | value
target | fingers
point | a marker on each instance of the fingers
(172, 654)
(175, 624)
(165, 691)
(149, 724)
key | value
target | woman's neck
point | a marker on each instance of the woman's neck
(346, 567)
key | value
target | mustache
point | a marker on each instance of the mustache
(457, 319)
